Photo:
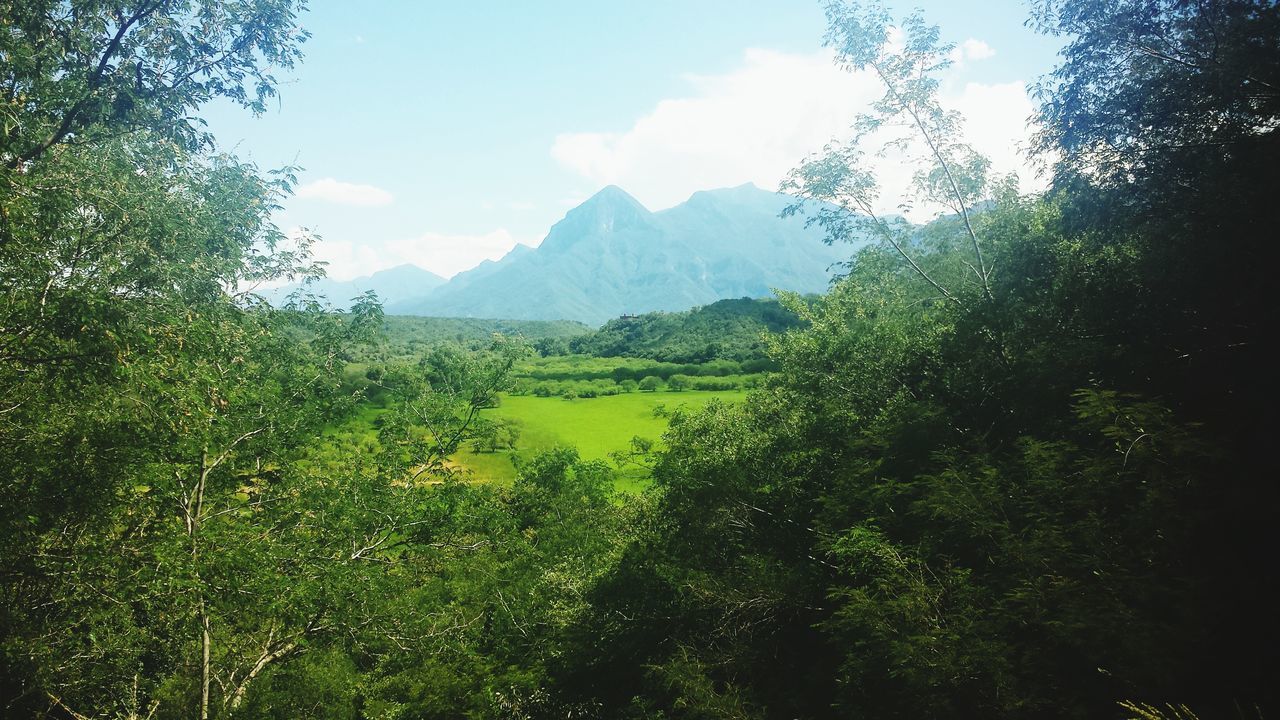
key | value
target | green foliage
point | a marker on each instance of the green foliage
(591, 377)
(1159, 93)
(908, 118)
(407, 339)
(80, 73)
(149, 405)
(437, 406)
(1013, 500)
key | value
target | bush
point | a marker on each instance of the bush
(649, 383)
(758, 366)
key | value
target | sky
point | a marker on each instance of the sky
(442, 134)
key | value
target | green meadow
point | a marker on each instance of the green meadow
(599, 419)
(595, 426)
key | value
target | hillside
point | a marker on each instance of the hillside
(723, 330)
(611, 256)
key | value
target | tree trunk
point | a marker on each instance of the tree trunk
(205, 642)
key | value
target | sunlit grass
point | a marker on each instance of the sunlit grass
(595, 426)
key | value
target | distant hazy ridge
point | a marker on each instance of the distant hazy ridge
(611, 256)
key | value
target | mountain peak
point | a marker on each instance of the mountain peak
(614, 197)
(607, 212)
(405, 271)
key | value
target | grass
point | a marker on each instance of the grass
(596, 426)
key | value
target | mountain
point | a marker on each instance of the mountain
(611, 256)
(486, 268)
(397, 284)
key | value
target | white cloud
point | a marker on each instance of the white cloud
(760, 120)
(752, 124)
(346, 260)
(445, 255)
(972, 49)
(344, 193)
(998, 121)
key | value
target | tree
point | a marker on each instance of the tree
(952, 173)
(142, 385)
(1159, 92)
(650, 383)
(490, 435)
(82, 73)
(1165, 117)
(438, 403)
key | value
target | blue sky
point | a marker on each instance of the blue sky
(443, 133)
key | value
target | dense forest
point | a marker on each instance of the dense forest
(1015, 464)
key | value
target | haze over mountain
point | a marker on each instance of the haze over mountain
(397, 284)
(611, 256)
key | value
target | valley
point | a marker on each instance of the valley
(594, 404)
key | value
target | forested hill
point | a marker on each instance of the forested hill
(724, 330)
(611, 256)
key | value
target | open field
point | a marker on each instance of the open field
(596, 426)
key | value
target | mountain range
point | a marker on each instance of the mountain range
(393, 285)
(611, 256)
